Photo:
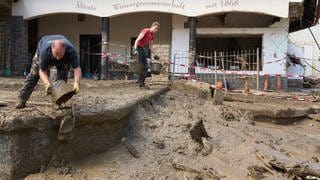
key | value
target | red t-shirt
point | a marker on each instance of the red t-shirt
(148, 36)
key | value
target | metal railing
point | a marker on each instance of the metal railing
(241, 60)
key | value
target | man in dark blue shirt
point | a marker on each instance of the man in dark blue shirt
(52, 50)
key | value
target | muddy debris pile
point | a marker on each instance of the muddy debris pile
(183, 134)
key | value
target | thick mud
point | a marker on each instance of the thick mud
(170, 133)
(160, 132)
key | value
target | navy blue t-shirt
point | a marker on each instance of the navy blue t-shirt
(46, 58)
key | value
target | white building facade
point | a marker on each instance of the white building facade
(222, 25)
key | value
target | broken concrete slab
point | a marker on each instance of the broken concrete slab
(192, 88)
(218, 97)
(315, 117)
(277, 112)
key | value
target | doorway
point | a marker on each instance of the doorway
(90, 54)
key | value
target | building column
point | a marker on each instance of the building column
(104, 48)
(192, 44)
(192, 33)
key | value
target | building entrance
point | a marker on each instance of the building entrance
(90, 49)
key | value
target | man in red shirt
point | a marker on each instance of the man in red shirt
(143, 47)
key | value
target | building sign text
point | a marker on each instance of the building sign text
(222, 4)
(82, 5)
(139, 4)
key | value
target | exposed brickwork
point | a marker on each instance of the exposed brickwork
(163, 51)
(14, 36)
(14, 40)
(19, 45)
(5, 12)
(5, 29)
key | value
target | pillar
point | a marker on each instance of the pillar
(192, 44)
(192, 33)
(104, 48)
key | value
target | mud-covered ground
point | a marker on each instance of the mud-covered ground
(172, 144)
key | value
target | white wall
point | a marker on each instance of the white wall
(308, 51)
(304, 40)
(180, 44)
(274, 48)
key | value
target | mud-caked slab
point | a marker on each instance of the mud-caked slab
(192, 88)
(29, 136)
(218, 97)
(279, 111)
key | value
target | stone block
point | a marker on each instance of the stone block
(218, 97)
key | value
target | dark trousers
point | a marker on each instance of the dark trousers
(144, 53)
(33, 78)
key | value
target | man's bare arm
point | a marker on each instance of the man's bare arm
(141, 35)
(44, 76)
(77, 74)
